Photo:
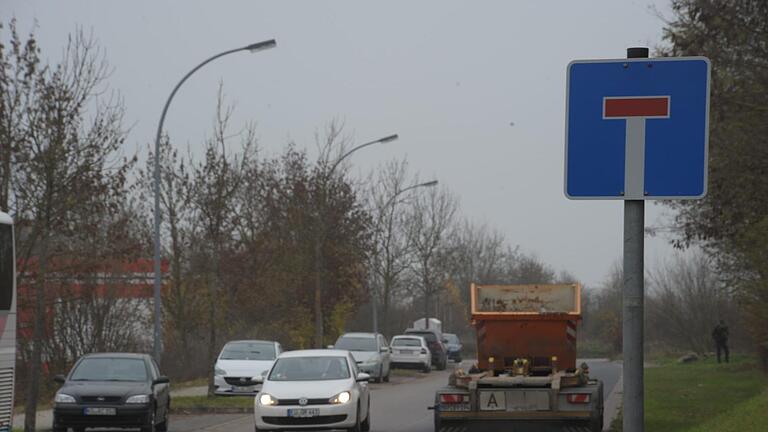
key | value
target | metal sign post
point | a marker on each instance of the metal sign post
(633, 299)
(658, 152)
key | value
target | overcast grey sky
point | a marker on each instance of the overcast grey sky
(448, 76)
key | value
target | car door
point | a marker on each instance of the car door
(385, 354)
(362, 387)
(162, 392)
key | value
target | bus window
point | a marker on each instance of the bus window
(6, 267)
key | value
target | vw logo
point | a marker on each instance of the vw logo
(303, 401)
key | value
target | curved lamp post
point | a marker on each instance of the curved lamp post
(392, 202)
(259, 46)
(321, 234)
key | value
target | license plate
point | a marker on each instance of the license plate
(238, 389)
(455, 407)
(303, 412)
(406, 352)
(99, 411)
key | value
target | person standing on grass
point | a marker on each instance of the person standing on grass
(720, 335)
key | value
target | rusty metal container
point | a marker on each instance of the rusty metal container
(534, 322)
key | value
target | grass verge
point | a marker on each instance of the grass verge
(705, 396)
(195, 404)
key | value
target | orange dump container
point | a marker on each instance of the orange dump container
(534, 322)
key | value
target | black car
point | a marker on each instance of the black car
(435, 345)
(112, 390)
(454, 346)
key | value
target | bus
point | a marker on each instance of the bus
(7, 321)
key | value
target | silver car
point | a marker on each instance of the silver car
(371, 352)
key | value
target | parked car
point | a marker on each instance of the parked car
(436, 347)
(314, 389)
(240, 361)
(453, 344)
(112, 390)
(371, 352)
(410, 351)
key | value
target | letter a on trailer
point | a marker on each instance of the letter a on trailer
(637, 129)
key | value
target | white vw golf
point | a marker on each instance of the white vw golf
(314, 389)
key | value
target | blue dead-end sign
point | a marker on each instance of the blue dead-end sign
(637, 129)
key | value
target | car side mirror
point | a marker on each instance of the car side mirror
(384, 349)
(363, 377)
(161, 380)
(61, 379)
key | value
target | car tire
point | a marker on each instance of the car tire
(366, 425)
(55, 427)
(358, 426)
(150, 427)
(386, 377)
(380, 376)
(163, 426)
(427, 368)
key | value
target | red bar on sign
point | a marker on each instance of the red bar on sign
(657, 106)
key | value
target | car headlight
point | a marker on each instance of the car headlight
(64, 398)
(341, 398)
(138, 399)
(267, 399)
(217, 371)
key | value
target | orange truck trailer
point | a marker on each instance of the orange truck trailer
(526, 377)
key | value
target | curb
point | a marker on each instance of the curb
(211, 410)
(613, 404)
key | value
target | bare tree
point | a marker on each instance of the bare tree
(68, 163)
(216, 182)
(429, 222)
(392, 254)
(688, 299)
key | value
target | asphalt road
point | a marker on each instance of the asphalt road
(400, 406)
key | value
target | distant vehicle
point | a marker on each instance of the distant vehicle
(370, 351)
(453, 344)
(112, 390)
(239, 362)
(314, 389)
(7, 320)
(411, 351)
(434, 324)
(435, 344)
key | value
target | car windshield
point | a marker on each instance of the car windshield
(412, 342)
(248, 351)
(430, 337)
(310, 369)
(451, 338)
(350, 343)
(110, 369)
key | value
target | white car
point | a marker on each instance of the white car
(370, 351)
(239, 362)
(410, 351)
(314, 389)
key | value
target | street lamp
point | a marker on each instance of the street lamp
(259, 46)
(389, 202)
(322, 231)
(384, 140)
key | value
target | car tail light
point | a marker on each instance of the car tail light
(448, 399)
(424, 351)
(578, 398)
